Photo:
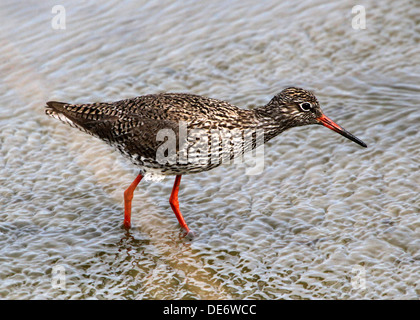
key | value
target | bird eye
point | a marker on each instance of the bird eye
(306, 106)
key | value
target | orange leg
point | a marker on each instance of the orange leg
(173, 200)
(128, 196)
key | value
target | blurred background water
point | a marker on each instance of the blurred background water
(326, 219)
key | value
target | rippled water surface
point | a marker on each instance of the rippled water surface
(325, 219)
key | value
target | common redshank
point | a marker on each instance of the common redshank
(134, 126)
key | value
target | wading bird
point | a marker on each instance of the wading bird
(132, 126)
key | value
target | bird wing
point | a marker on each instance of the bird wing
(116, 123)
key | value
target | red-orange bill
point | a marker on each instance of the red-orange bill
(324, 120)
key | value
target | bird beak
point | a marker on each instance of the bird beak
(324, 120)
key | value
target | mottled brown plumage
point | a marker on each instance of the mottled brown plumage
(133, 127)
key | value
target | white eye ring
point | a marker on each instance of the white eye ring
(305, 106)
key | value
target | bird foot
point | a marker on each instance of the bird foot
(188, 234)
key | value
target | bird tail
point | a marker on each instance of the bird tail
(87, 117)
(59, 111)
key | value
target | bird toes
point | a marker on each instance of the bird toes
(188, 234)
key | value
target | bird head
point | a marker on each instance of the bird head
(299, 107)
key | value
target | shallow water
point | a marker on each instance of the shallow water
(325, 219)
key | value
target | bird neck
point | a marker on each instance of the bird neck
(272, 120)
